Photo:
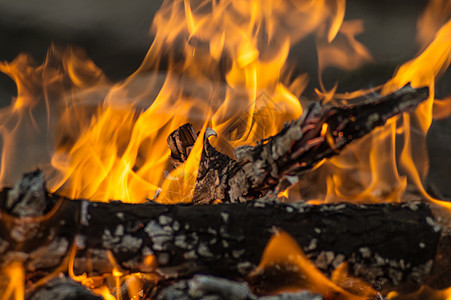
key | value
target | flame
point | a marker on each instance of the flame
(383, 175)
(179, 185)
(110, 138)
(434, 16)
(345, 52)
(282, 250)
(441, 108)
(225, 65)
(16, 277)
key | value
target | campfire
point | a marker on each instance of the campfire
(210, 174)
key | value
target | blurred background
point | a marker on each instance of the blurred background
(115, 35)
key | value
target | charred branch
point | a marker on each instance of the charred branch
(278, 162)
(385, 244)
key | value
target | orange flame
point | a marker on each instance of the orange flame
(16, 281)
(282, 249)
(383, 175)
(110, 142)
(226, 68)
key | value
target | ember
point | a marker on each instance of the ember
(211, 172)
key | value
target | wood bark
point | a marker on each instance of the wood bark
(390, 245)
(278, 162)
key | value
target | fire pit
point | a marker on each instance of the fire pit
(216, 171)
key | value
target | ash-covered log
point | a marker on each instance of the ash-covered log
(278, 162)
(389, 245)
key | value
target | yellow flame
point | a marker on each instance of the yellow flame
(227, 68)
(16, 281)
(104, 292)
(110, 138)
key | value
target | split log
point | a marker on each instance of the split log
(386, 244)
(278, 162)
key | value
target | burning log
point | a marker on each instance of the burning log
(278, 162)
(385, 244)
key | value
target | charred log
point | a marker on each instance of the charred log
(385, 244)
(278, 162)
(62, 288)
(209, 287)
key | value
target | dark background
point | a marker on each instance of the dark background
(115, 35)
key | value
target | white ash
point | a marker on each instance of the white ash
(130, 243)
(154, 229)
(160, 242)
(312, 245)
(245, 268)
(119, 230)
(108, 240)
(176, 226)
(366, 252)
(434, 224)
(225, 217)
(211, 231)
(225, 244)
(204, 251)
(84, 216)
(180, 241)
(164, 220)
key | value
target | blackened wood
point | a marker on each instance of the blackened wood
(214, 288)
(278, 162)
(62, 288)
(387, 244)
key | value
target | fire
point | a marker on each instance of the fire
(15, 277)
(282, 251)
(110, 142)
(224, 65)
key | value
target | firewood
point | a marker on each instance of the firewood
(387, 244)
(278, 162)
(209, 287)
(61, 288)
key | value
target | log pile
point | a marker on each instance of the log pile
(390, 246)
